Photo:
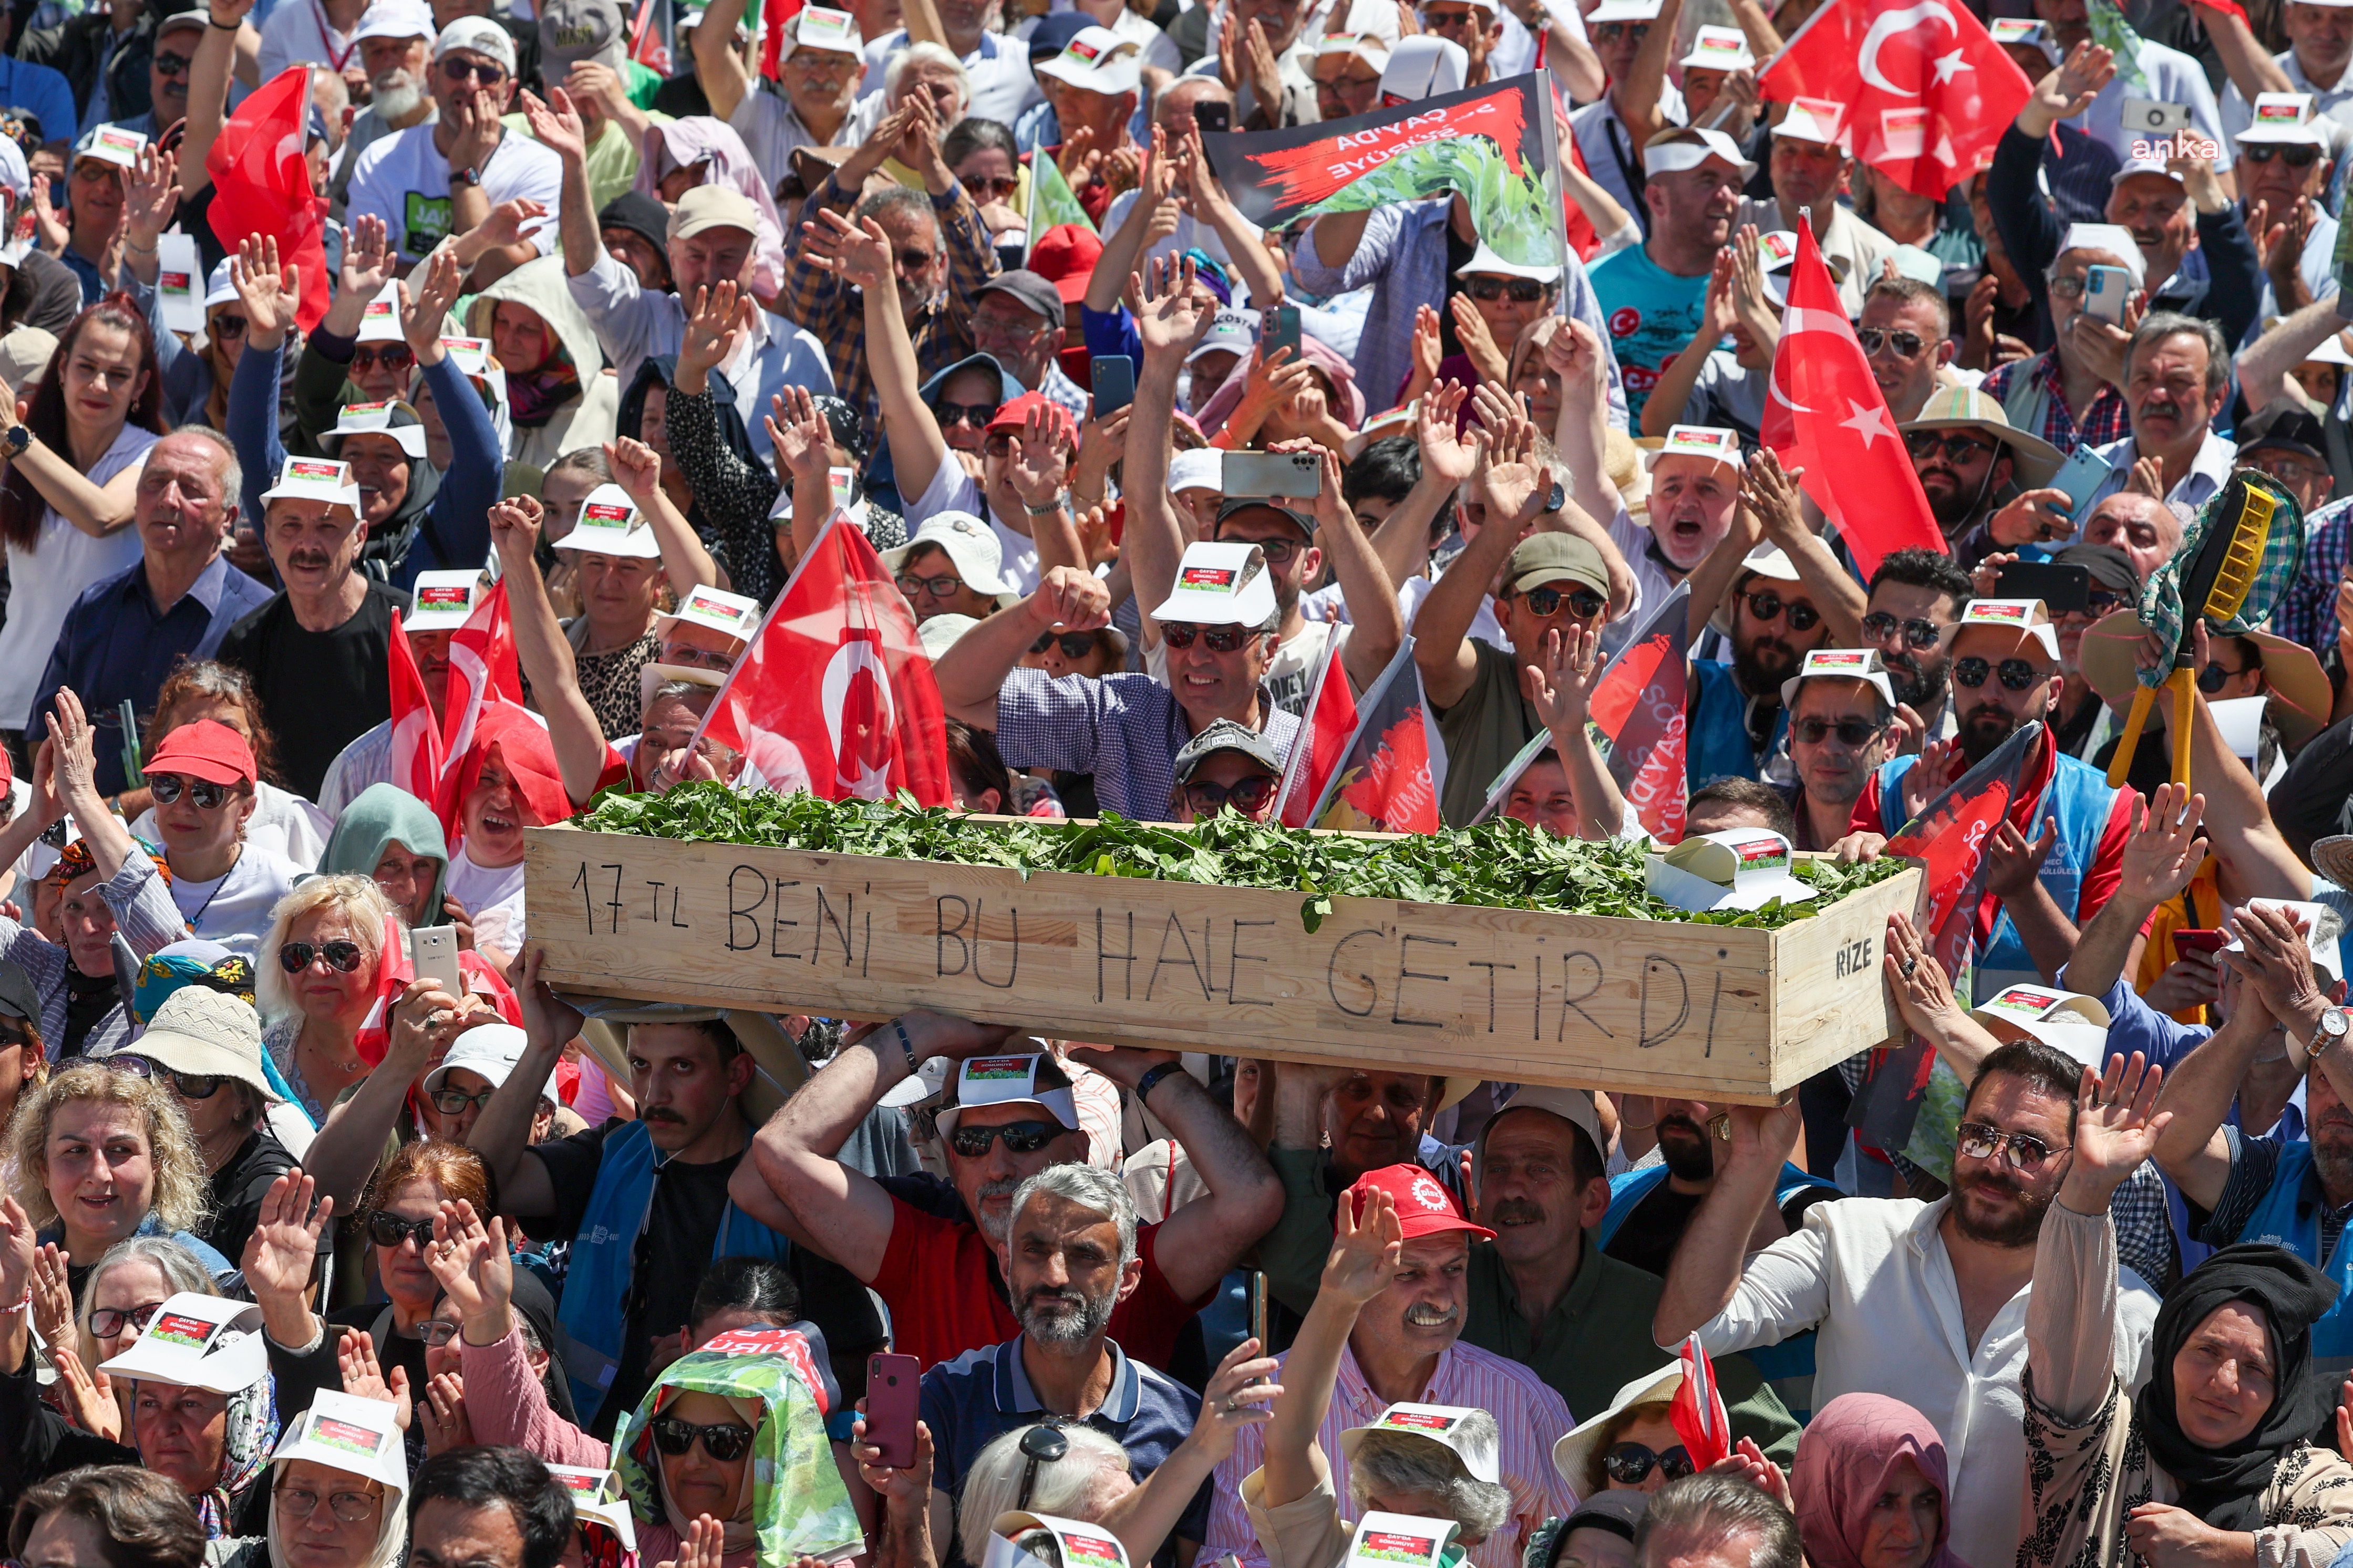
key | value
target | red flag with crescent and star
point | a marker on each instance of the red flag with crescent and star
(1824, 413)
(836, 693)
(1927, 91)
(415, 732)
(261, 185)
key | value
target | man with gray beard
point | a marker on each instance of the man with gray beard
(1070, 1260)
(395, 39)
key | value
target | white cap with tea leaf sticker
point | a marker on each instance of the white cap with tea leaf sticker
(198, 1342)
(732, 614)
(2075, 1024)
(380, 319)
(443, 600)
(315, 478)
(1739, 868)
(1698, 441)
(2027, 617)
(611, 524)
(1840, 664)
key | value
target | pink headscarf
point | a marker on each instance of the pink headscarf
(1342, 375)
(1847, 1459)
(682, 143)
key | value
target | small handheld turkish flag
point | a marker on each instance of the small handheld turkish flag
(261, 185)
(1824, 413)
(1696, 1412)
(1927, 91)
(415, 733)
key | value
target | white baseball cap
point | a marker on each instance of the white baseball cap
(492, 1050)
(1739, 868)
(396, 417)
(940, 632)
(1234, 330)
(442, 601)
(1097, 61)
(115, 144)
(1220, 585)
(1574, 1106)
(218, 290)
(481, 34)
(2026, 617)
(2075, 1024)
(1010, 1080)
(2282, 117)
(1424, 66)
(1812, 120)
(195, 1340)
(730, 614)
(2132, 166)
(971, 544)
(611, 524)
(1840, 664)
(1624, 11)
(2113, 237)
(1689, 146)
(1485, 259)
(396, 19)
(1718, 49)
(821, 29)
(316, 479)
(1709, 441)
(1202, 469)
(380, 318)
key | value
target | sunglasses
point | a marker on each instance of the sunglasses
(1881, 625)
(225, 326)
(187, 1085)
(2017, 675)
(725, 1441)
(392, 356)
(2294, 157)
(1907, 345)
(2216, 676)
(96, 169)
(1045, 1442)
(2102, 601)
(1610, 32)
(1955, 446)
(1979, 1141)
(1852, 733)
(482, 71)
(1021, 1138)
(391, 1230)
(1245, 795)
(977, 415)
(1222, 639)
(342, 957)
(167, 789)
(177, 64)
(1519, 291)
(937, 587)
(1075, 645)
(453, 1101)
(1628, 1464)
(106, 1323)
(1544, 602)
(1769, 608)
(994, 188)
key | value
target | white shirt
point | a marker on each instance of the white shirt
(2208, 471)
(297, 33)
(1154, 47)
(953, 490)
(234, 909)
(1002, 86)
(405, 180)
(282, 822)
(492, 897)
(1872, 1275)
(366, 761)
(1604, 140)
(772, 129)
(43, 581)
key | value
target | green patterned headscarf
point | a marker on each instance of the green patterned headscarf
(2160, 596)
(2114, 34)
(798, 1505)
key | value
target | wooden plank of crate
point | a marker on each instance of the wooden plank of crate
(1830, 999)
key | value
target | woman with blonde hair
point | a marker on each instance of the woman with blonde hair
(319, 974)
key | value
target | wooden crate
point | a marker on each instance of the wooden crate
(1512, 994)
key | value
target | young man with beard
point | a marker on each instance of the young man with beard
(1071, 1259)
(2058, 857)
(1738, 723)
(1905, 330)
(1915, 595)
(395, 39)
(1925, 1302)
(1841, 706)
(1008, 1117)
(1985, 481)
(1652, 1206)
(1404, 1348)
(2177, 378)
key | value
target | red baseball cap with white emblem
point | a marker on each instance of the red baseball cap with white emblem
(1424, 1206)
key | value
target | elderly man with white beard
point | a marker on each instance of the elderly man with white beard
(395, 39)
(1070, 1255)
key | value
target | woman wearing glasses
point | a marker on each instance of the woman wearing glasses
(396, 1222)
(318, 978)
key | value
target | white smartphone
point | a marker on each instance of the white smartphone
(2106, 289)
(433, 953)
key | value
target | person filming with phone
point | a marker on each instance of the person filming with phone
(2072, 394)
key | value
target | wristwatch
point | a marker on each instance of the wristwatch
(17, 439)
(470, 177)
(2327, 1035)
(1050, 509)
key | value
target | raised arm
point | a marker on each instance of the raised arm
(1924, 994)
(2160, 858)
(1248, 253)
(859, 254)
(458, 521)
(721, 70)
(543, 652)
(2267, 367)
(1707, 1267)
(1125, 246)
(1561, 691)
(2070, 1317)
(208, 88)
(1770, 491)
(2244, 59)
(1366, 1249)
(637, 468)
(1442, 641)
(502, 1133)
(2200, 1091)
(1378, 624)
(555, 125)
(1646, 79)
(1068, 596)
(1172, 313)
(345, 1155)
(1664, 409)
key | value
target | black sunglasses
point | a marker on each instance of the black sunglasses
(1628, 1464)
(1852, 733)
(342, 957)
(725, 1441)
(1980, 1141)
(482, 71)
(1957, 446)
(187, 1085)
(1880, 625)
(1544, 602)
(391, 1230)
(1906, 344)
(1021, 1138)
(1610, 32)
(1221, 639)
(392, 356)
(994, 188)
(1768, 607)
(167, 788)
(2102, 600)
(977, 415)
(2216, 676)
(2016, 673)
(2294, 157)
(1075, 645)
(1044, 1443)
(1245, 795)
(227, 327)
(105, 1322)
(453, 1101)
(171, 64)
(1519, 291)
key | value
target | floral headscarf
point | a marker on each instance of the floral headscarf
(246, 1444)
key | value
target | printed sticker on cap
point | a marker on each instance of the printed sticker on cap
(1083, 50)
(1837, 659)
(1726, 48)
(589, 1482)
(1997, 610)
(999, 1069)
(120, 140)
(472, 354)
(1776, 248)
(703, 601)
(1208, 579)
(2015, 30)
(1702, 439)
(1762, 854)
(349, 1437)
(314, 470)
(176, 283)
(2271, 110)
(379, 309)
(179, 1329)
(826, 30)
(1903, 132)
(1394, 1546)
(2019, 999)
(1417, 1420)
(604, 514)
(445, 596)
(839, 482)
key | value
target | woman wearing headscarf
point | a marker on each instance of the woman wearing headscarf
(2213, 1459)
(388, 834)
(338, 1486)
(556, 396)
(702, 151)
(507, 780)
(1873, 1488)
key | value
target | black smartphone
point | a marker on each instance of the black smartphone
(1114, 377)
(2061, 588)
(1217, 117)
(1279, 328)
(1258, 1312)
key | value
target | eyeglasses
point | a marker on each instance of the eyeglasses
(1519, 291)
(173, 64)
(95, 169)
(301, 1502)
(187, 1085)
(725, 1441)
(2066, 288)
(1768, 607)
(391, 1230)
(701, 658)
(1276, 550)
(1021, 1138)
(994, 188)
(938, 587)
(1852, 733)
(167, 788)
(392, 356)
(105, 1322)
(1458, 22)
(1881, 625)
(227, 326)
(2102, 600)
(1628, 1464)
(2017, 675)
(342, 957)
(1221, 639)
(453, 1101)
(482, 71)
(2024, 1150)
(1075, 645)
(996, 328)
(1043, 1443)
(438, 1331)
(1907, 345)
(977, 415)
(2217, 675)
(1610, 32)
(1955, 445)
(1245, 795)
(2294, 157)
(1583, 603)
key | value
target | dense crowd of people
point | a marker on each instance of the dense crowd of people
(316, 1252)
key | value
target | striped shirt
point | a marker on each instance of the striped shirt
(2106, 420)
(1125, 730)
(1530, 1416)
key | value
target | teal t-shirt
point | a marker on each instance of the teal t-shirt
(1651, 314)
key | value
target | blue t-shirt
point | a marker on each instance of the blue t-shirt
(1651, 314)
(41, 91)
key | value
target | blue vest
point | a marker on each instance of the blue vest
(2079, 798)
(2289, 1216)
(1717, 740)
(593, 1313)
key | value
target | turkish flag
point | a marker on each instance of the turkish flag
(1639, 704)
(840, 632)
(415, 733)
(1390, 774)
(483, 679)
(774, 14)
(1927, 91)
(1322, 738)
(1696, 1412)
(261, 184)
(1825, 414)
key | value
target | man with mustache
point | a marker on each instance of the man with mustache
(1006, 1116)
(2059, 855)
(1923, 1301)
(2177, 378)
(1070, 1257)
(2072, 391)
(1404, 1349)
(1915, 595)
(1544, 1292)
(1738, 724)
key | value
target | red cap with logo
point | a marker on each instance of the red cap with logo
(1424, 1206)
(1016, 414)
(207, 750)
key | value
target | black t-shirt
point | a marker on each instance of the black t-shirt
(237, 1189)
(1648, 1238)
(673, 1251)
(320, 690)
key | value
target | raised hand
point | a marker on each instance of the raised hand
(87, 1394)
(802, 435)
(1069, 597)
(1366, 1248)
(428, 313)
(2117, 1127)
(1509, 473)
(1427, 350)
(545, 1015)
(856, 253)
(506, 224)
(75, 756)
(2165, 849)
(280, 1253)
(1941, 763)
(368, 260)
(555, 124)
(1771, 494)
(1172, 309)
(1748, 1461)
(272, 294)
(2070, 90)
(705, 1544)
(1478, 342)
(423, 1021)
(444, 1413)
(637, 468)
(1041, 457)
(514, 528)
(1561, 687)
(1437, 427)
(151, 191)
(364, 1377)
(711, 332)
(473, 1265)
(1762, 1135)
(2012, 863)
(1234, 1397)
(17, 1250)
(1924, 991)
(2275, 957)
(53, 1303)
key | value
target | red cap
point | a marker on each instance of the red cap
(1065, 256)
(207, 750)
(1016, 414)
(1424, 1206)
